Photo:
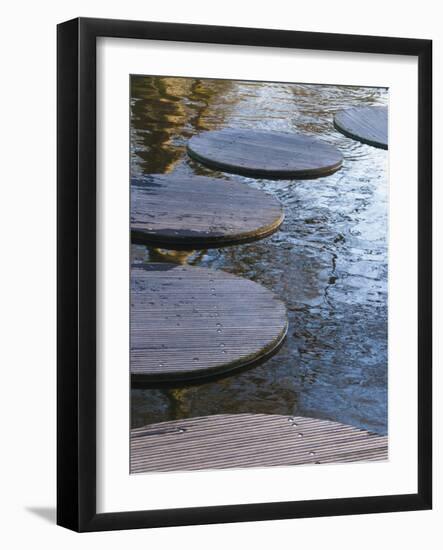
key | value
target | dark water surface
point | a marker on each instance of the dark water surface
(328, 262)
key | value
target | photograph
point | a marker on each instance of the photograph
(225, 319)
(244, 274)
(258, 274)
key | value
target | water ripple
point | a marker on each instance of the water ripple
(328, 262)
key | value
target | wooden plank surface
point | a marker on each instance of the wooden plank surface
(266, 154)
(194, 212)
(190, 322)
(250, 440)
(366, 124)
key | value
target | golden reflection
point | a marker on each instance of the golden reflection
(175, 256)
(165, 112)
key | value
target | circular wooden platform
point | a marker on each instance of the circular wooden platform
(250, 440)
(193, 212)
(366, 124)
(257, 153)
(191, 322)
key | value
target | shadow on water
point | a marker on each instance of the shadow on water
(328, 262)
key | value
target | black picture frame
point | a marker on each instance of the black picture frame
(76, 295)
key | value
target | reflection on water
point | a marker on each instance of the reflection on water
(328, 262)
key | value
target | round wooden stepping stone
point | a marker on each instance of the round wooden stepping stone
(273, 155)
(366, 124)
(250, 440)
(190, 322)
(193, 212)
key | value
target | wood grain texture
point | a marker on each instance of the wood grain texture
(190, 322)
(195, 212)
(366, 124)
(250, 440)
(266, 154)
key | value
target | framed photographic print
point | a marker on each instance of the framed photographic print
(244, 274)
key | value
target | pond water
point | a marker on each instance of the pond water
(328, 263)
